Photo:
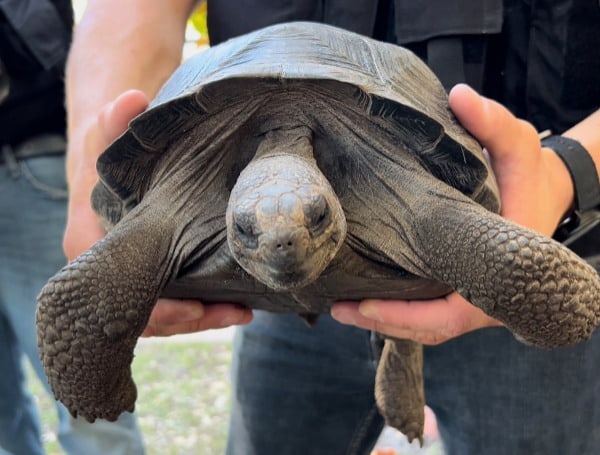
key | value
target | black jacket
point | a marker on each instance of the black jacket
(34, 40)
(541, 58)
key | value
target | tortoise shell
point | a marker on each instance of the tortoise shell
(287, 169)
(240, 80)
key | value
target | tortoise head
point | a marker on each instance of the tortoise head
(284, 221)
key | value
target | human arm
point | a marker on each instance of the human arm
(536, 191)
(119, 46)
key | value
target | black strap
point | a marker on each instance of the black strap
(582, 169)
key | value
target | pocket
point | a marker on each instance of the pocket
(46, 174)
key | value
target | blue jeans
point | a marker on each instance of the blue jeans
(32, 220)
(310, 391)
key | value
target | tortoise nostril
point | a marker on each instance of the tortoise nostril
(285, 244)
(288, 244)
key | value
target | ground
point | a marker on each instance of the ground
(191, 418)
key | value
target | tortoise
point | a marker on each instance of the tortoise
(287, 169)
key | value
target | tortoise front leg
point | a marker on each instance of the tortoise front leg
(544, 293)
(91, 313)
(399, 387)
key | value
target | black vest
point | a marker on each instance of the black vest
(541, 58)
(34, 40)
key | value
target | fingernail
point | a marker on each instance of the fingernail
(369, 310)
(343, 316)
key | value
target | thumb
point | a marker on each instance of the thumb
(83, 227)
(514, 149)
(507, 138)
(115, 116)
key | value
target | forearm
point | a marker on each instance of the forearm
(118, 45)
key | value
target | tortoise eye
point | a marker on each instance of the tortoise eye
(244, 227)
(243, 230)
(318, 215)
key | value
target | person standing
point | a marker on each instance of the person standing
(34, 39)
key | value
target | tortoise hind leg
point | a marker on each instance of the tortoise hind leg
(399, 387)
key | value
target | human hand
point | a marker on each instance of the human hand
(172, 317)
(83, 226)
(536, 191)
(169, 316)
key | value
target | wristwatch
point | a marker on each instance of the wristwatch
(580, 230)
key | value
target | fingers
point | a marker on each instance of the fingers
(428, 322)
(171, 317)
(513, 145)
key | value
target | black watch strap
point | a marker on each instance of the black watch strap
(582, 169)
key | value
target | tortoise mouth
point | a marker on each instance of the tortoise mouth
(281, 280)
(289, 266)
(283, 272)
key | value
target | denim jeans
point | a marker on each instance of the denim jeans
(310, 391)
(32, 220)
(301, 390)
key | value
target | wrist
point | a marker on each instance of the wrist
(576, 166)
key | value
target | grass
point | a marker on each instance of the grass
(184, 396)
(183, 400)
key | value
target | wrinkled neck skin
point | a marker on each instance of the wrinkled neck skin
(284, 221)
(295, 142)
